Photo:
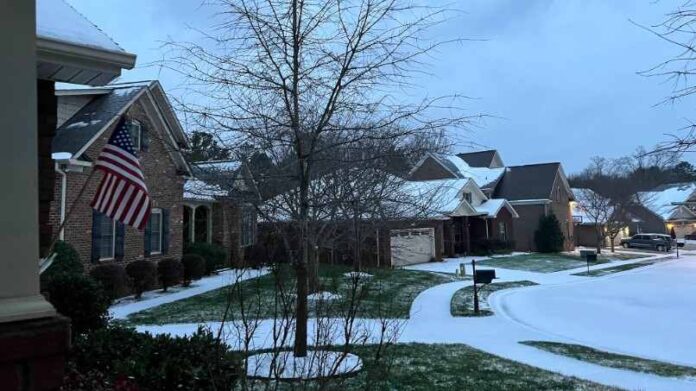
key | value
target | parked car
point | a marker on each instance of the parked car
(659, 242)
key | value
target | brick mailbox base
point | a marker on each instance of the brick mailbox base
(32, 354)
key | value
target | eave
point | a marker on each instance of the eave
(68, 62)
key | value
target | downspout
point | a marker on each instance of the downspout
(63, 191)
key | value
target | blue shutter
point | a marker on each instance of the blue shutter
(96, 235)
(146, 238)
(165, 231)
(119, 242)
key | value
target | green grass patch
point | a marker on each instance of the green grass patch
(614, 269)
(540, 263)
(389, 293)
(462, 303)
(613, 360)
(607, 255)
(425, 367)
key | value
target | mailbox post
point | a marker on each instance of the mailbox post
(480, 277)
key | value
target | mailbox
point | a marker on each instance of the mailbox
(591, 257)
(586, 253)
(484, 276)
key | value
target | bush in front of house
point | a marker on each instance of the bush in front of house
(215, 256)
(143, 276)
(113, 279)
(80, 298)
(491, 246)
(66, 260)
(121, 358)
(194, 268)
(549, 237)
(170, 272)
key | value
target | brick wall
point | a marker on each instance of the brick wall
(164, 185)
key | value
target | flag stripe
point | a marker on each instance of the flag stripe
(122, 194)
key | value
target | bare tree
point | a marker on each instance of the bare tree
(296, 78)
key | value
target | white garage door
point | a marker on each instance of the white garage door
(411, 246)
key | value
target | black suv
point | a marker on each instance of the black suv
(659, 242)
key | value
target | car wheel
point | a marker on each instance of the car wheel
(625, 245)
(660, 248)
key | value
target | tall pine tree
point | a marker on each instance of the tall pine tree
(549, 237)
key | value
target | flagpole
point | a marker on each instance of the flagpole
(54, 240)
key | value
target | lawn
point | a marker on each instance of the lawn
(613, 360)
(423, 367)
(462, 303)
(541, 263)
(389, 293)
(614, 269)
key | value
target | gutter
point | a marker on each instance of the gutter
(541, 201)
(49, 48)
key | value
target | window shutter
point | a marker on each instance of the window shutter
(119, 242)
(165, 231)
(144, 138)
(96, 235)
(146, 238)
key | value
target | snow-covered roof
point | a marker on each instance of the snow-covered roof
(580, 214)
(197, 190)
(661, 200)
(56, 19)
(442, 196)
(482, 176)
(491, 208)
(220, 165)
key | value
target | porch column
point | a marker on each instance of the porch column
(19, 217)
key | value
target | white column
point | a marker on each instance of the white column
(19, 201)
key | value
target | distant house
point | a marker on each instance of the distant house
(86, 119)
(220, 207)
(533, 190)
(585, 222)
(669, 206)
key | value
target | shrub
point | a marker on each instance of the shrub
(113, 279)
(143, 276)
(67, 260)
(194, 268)
(140, 361)
(215, 256)
(169, 272)
(491, 246)
(81, 299)
(549, 237)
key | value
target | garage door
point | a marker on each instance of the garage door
(411, 246)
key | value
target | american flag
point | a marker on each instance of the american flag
(122, 194)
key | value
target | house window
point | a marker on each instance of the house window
(155, 223)
(502, 231)
(136, 132)
(467, 197)
(107, 240)
(248, 227)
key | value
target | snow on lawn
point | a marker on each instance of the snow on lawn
(129, 305)
(646, 312)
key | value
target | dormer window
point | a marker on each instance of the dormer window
(136, 132)
(467, 197)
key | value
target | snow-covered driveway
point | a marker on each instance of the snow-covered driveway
(648, 312)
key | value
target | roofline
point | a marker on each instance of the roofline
(83, 91)
(534, 164)
(47, 47)
(538, 201)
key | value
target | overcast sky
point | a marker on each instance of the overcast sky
(558, 77)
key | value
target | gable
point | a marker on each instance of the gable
(483, 159)
(531, 182)
(430, 169)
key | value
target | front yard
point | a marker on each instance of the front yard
(425, 367)
(463, 300)
(540, 263)
(389, 294)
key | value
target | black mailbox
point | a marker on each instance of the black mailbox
(484, 276)
(591, 257)
(586, 253)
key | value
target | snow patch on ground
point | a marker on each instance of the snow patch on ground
(358, 275)
(317, 364)
(323, 296)
(151, 299)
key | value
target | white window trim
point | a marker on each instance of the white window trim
(113, 242)
(157, 211)
(137, 146)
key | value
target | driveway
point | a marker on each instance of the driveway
(647, 312)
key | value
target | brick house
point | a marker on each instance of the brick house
(219, 207)
(666, 207)
(85, 120)
(533, 191)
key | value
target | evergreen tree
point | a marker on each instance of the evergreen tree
(204, 147)
(549, 237)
